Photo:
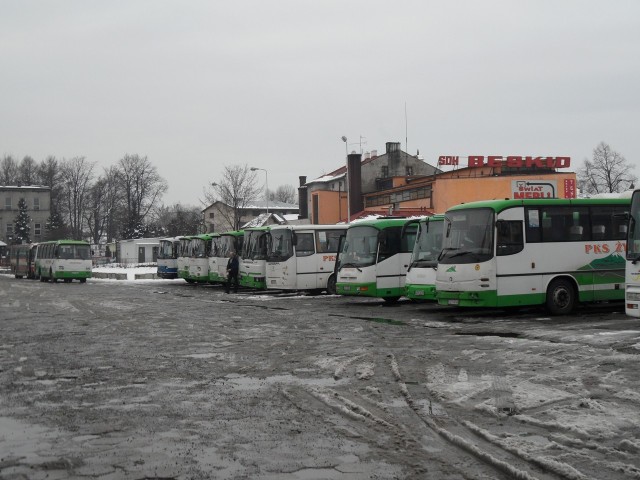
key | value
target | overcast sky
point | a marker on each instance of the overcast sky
(196, 85)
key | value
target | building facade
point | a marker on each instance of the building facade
(220, 217)
(335, 196)
(483, 178)
(38, 200)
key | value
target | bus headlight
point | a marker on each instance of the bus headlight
(633, 296)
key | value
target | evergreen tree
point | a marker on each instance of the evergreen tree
(22, 228)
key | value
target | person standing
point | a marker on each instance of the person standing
(233, 266)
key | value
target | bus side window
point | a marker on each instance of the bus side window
(304, 245)
(532, 216)
(509, 238)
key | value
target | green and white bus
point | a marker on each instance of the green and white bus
(555, 252)
(184, 253)
(65, 260)
(198, 263)
(375, 257)
(219, 254)
(253, 265)
(420, 283)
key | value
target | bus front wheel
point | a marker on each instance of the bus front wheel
(561, 297)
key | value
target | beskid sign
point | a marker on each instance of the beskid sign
(514, 161)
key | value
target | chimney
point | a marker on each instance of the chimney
(354, 161)
(303, 206)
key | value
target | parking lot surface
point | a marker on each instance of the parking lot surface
(161, 379)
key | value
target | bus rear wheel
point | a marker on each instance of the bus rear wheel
(561, 297)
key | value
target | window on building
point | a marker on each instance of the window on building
(9, 228)
(409, 170)
(36, 203)
(37, 229)
(212, 215)
(7, 203)
(385, 171)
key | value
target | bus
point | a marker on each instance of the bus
(554, 252)
(253, 264)
(184, 254)
(420, 283)
(632, 279)
(19, 260)
(63, 260)
(168, 257)
(219, 254)
(374, 258)
(198, 262)
(302, 257)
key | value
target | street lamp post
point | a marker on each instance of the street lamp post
(266, 182)
(346, 178)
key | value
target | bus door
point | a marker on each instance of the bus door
(306, 261)
(517, 271)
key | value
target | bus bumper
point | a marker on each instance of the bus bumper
(71, 274)
(253, 281)
(420, 292)
(368, 290)
(467, 299)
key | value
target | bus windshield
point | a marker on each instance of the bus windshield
(468, 236)
(428, 244)
(225, 244)
(360, 247)
(166, 249)
(280, 245)
(255, 247)
(78, 252)
(199, 247)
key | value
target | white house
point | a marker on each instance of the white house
(137, 250)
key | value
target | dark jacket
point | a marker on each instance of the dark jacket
(233, 265)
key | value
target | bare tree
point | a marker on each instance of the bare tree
(607, 172)
(28, 171)
(236, 190)
(76, 177)
(285, 193)
(142, 187)
(8, 171)
(178, 220)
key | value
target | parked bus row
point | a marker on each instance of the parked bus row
(498, 253)
(286, 257)
(65, 260)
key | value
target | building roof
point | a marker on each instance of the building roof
(261, 205)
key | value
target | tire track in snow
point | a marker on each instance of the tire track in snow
(562, 470)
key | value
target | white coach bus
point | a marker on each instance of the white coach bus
(555, 252)
(302, 257)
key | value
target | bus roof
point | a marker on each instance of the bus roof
(309, 227)
(264, 228)
(499, 205)
(233, 233)
(380, 223)
(65, 242)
